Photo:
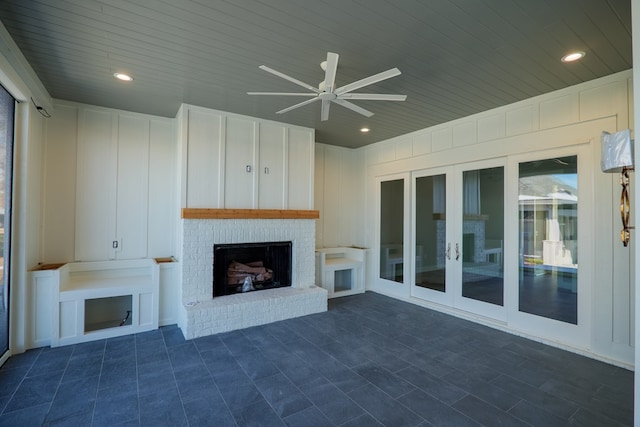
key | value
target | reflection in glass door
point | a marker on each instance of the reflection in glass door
(392, 230)
(548, 238)
(431, 248)
(7, 110)
(483, 235)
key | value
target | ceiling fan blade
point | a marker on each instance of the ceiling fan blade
(289, 78)
(353, 107)
(324, 114)
(283, 93)
(330, 73)
(303, 103)
(373, 97)
(368, 81)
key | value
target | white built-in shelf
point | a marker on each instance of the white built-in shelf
(92, 299)
(340, 270)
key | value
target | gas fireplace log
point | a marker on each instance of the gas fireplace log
(237, 272)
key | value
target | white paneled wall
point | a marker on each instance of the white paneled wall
(109, 176)
(239, 162)
(339, 196)
(569, 117)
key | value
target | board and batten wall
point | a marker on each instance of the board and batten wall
(109, 176)
(339, 196)
(569, 117)
(238, 162)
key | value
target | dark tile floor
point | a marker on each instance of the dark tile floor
(370, 360)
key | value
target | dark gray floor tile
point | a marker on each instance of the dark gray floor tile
(257, 414)
(586, 418)
(485, 391)
(155, 376)
(147, 336)
(237, 389)
(204, 412)
(91, 347)
(389, 412)
(75, 419)
(434, 411)
(283, 396)
(310, 417)
(552, 404)
(391, 384)
(362, 340)
(255, 365)
(116, 405)
(210, 342)
(297, 370)
(25, 359)
(83, 365)
(151, 352)
(564, 389)
(120, 348)
(10, 379)
(440, 389)
(365, 420)
(74, 400)
(536, 416)
(162, 408)
(117, 371)
(34, 391)
(184, 355)
(172, 336)
(51, 360)
(336, 406)
(31, 416)
(219, 361)
(195, 382)
(237, 343)
(484, 413)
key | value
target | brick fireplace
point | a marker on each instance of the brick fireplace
(201, 314)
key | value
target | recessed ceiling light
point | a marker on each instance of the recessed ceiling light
(364, 130)
(123, 76)
(573, 56)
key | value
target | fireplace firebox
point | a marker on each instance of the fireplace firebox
(266, 265)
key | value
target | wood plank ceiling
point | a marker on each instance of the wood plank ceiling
(457, 57)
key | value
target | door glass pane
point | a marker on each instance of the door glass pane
(392, 230)
(7, 104)
(430, 250)
(483, 235)
(548, 212)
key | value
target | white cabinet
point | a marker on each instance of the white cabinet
(96, 300)
(271, 174)
(232, 161)
(341, 270)
(113, 185)
(240, 163)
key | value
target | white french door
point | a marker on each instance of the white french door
(458, 237)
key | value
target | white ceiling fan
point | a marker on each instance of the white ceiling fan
(327, 93)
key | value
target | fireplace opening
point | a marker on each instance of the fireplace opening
(242, 267)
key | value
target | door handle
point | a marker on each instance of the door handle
(457, 252)
(448, 252)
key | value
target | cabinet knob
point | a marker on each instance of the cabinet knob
(248, 168)
(266, 171)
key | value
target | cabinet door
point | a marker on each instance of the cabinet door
(240, 181)
(96, 185)
(301, 169)
(132, 187)
(272, 189)
(204, 159)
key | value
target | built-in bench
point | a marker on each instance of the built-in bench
(341, 270)
(103, 299)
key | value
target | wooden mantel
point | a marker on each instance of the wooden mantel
(202, 213)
